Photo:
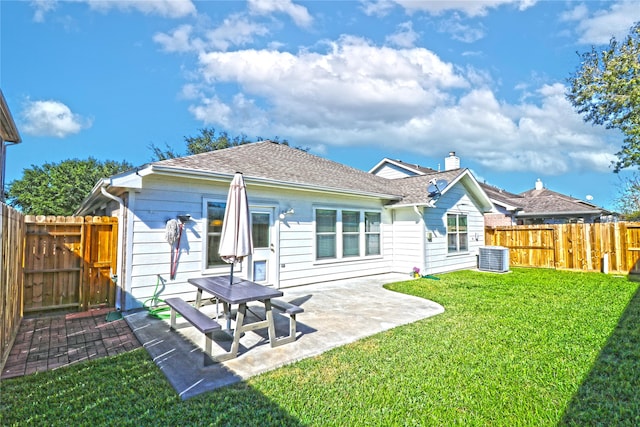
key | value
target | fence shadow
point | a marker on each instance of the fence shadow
(609, 393)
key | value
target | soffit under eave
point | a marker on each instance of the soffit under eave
(8, 130)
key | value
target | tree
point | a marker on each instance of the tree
(59, 188)
(628, 200)
(207, 141)
(606, 91)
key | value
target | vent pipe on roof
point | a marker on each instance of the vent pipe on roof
(539, 185)
(451, 162)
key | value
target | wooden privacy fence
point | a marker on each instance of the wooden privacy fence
(12, 233)
(607, 247)
(69, 262)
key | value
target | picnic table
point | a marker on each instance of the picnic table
(240, 292)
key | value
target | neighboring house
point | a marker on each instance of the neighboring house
(313, 220)
(536, 206)
(8, 133)
(541, 206)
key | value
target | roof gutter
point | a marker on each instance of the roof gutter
(555, 214)
(430, 204)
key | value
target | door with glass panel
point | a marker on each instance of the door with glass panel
(262, 266)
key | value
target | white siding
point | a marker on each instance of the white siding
(438, 259)
(404, 243)
(408, 241)
(390, 171)
(164, 198)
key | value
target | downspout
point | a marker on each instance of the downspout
(118, 272)
(423, 246)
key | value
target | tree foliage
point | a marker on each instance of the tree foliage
(206, 141)
(606, 91)
(628, 200)
(59, 188)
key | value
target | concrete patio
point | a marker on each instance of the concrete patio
(336, 313)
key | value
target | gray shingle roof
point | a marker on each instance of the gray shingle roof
(414, 188)
(277, 162)
(502, 196)
(551, 202)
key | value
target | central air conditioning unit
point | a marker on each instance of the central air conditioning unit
(494, 258)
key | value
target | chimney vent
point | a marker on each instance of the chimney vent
(539, 185)
(451, 162)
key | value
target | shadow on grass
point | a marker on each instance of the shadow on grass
(609, 393)
(129, 390)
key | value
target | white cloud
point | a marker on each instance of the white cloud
(166, 8)
(356, 93)
(459, 31)
(377, 7)
(469, 8)
(51, 118)
(363, 82)
(599, 27)
(405, 36)
(179, 40)
(41, 8)
(235, 30)
(299, 14)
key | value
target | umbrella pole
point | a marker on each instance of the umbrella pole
(229, 312)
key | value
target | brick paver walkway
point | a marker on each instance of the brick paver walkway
(45, 343)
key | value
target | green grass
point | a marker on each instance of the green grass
(532, 347)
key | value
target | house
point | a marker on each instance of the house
(541, 206)
(8, 133)
(536, 206)
(313, 220)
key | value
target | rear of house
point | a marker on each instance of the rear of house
(313, 220)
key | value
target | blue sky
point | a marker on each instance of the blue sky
(354, 81)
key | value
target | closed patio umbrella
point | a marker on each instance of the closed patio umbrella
(236, 242)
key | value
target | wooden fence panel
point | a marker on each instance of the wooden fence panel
(633, 248)
(65, 264)
(11, 249)
(100, 258)
(587, 247)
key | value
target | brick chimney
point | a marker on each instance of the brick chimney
(451, 162)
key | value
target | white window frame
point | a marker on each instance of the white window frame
(457, 233)
(218, 269)
(339, 235)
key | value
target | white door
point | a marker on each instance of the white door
(262, 265)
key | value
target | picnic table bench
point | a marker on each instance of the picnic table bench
(290, 310)
(201, 321)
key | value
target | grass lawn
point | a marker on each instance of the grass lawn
(532, 347)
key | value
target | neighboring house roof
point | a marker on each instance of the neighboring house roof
(399, 165)
(532, 203)
(509, 201)
(541, 203)
(538, 202)
(269, 163)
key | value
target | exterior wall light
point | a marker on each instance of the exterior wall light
(284, 214)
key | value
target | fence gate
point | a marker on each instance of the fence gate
(633, 248)
(68, 262)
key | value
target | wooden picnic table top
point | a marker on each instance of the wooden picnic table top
(241, 291)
